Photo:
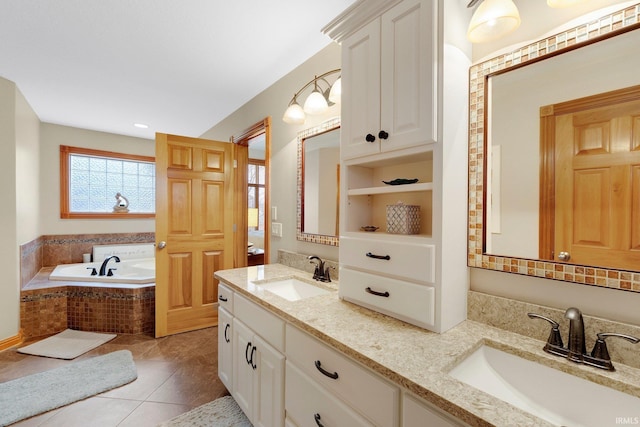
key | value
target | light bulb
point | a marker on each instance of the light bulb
(493, 19)
(315, 103)
(294, 115)
(336, 91)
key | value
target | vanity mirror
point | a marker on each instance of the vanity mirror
(319, 183)
(531, 196)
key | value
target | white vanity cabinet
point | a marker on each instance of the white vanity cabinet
(322, 371)
(258, 363)
(388, 71)
(416, 413)
(399, 58)
(225, 333)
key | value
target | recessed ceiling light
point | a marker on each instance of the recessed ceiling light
(141, 125)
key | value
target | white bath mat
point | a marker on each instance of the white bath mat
(68, 344)
(222, 412)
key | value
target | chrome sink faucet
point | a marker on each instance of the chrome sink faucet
(103, 267)
(576, 349)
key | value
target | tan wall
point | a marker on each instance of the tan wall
(273, 102)
(51, 137)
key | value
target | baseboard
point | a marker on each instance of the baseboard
(11, 341)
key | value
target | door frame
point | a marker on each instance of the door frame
(241, 140)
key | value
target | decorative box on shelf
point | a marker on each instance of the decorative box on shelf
(403, 219)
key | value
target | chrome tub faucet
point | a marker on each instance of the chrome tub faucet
(576, 349)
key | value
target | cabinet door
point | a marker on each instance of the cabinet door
(242, 369)
(268, 394)
(225, 348)
(360, 108)
(417, 414)
(408, 74)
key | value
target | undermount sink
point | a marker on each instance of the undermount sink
(558, 397)
(292, 289)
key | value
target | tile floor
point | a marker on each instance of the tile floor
(175, 374)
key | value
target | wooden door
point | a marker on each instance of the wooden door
(194, 223)
(597, 184)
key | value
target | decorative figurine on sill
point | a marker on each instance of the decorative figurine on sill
(122, 204)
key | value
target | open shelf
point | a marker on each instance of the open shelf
(391, 189)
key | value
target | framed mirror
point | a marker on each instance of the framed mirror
(319, 183)
(532, 211)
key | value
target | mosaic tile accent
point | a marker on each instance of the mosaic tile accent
(47, 311)
(306, 237)
(621, 21)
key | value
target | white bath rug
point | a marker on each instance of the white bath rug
(34, 394)
(222, 412)
(68, 344)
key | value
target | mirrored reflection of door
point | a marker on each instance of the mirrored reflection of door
(597, 184)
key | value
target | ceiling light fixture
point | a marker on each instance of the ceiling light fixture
(141, 125)
(492, 19)
(323, 95)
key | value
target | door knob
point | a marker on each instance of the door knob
(162, 244)
(383, 134)
(564, 256)
(369, 138)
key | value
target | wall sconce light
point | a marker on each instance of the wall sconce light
(492, 19)
(323, 95)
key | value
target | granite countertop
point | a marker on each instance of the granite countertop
(414, 358)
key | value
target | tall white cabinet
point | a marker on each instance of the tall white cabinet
(404, 115)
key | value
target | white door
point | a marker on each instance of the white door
(408, 76)
(268, 406)
(242, 369)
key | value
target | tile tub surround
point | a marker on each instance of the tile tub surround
(52, 250)
(48, 307)
(414, 358)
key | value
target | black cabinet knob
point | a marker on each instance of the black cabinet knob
(370, 138)
(383, 135)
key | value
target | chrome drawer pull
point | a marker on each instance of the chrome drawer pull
(223, 299)
(376, 293)
(317, 418)
(385, 257)
(331, 375)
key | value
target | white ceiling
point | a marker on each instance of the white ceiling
(179, 66)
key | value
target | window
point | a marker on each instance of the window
(256, 191)
(104, 184)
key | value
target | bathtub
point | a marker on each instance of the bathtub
(133, 271)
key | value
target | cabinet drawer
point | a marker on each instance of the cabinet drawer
(265, 324)
(305, 400)
(225, 298)
(403, 300)
(410, 260)
(354, 384)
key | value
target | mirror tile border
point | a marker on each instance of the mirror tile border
(307, 237)
(624, 20)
